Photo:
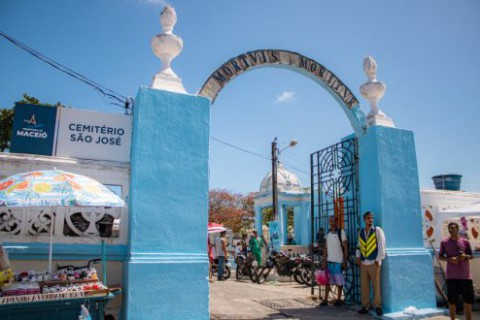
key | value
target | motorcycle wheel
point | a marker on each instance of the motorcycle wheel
(252, 273)
(239, 273)
(305, 275)
(263, 274)
(298, 276)
(226, 273)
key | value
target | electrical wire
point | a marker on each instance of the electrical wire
(241, 149)
(259, 155)
(114, 97)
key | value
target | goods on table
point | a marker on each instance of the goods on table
(6, 273)
(68, 282)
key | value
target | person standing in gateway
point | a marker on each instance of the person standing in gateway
(457, 251)
(370, 253)
(222, 255)
(256, 245)
(335, 259)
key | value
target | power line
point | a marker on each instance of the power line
(114, 97)
(241, 149)
(259, 155)
(296, 169)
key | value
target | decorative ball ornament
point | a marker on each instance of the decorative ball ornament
(373, 90)
(167, 46)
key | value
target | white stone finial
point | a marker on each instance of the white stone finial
(167, 46)
(370, 68)
(168, 19)
(373, 90)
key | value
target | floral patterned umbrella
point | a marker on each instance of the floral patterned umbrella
(55, 188)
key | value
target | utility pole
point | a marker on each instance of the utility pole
(274, 179)
(275, 154)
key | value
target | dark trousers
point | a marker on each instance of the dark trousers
(221, 264)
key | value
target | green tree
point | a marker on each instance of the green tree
(29, 99)
(32, 100)
(233, 210)
(6, 123)
(267, 216)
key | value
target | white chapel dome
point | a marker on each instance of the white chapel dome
(286, 181)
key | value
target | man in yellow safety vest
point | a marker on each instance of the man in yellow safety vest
(370, 253)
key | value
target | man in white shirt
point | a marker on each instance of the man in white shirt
(335, 259)
(222, 254)
(370, 253)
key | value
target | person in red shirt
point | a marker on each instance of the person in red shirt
(457, 252)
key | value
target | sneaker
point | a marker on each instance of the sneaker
(364, 310)
(337, 303)
(379, 311)
(323, 303)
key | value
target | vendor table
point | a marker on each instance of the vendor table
(55, 309)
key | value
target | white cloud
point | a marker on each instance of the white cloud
(162, 3)
(286, 97)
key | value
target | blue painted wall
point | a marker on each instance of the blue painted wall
(389, 187)
(63, 251)
(167, 266)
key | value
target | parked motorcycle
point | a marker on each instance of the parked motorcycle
(306, 270)
(246, 266)
(283, 264)
(226, 269)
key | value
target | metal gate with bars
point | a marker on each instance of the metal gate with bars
(334, 190)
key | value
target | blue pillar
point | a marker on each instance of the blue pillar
(258, 220)
(306, 224)
(282, 218)
(389, 187)
(167, 267)
(298, 223)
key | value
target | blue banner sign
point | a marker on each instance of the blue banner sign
(33, 129)
(274, 230)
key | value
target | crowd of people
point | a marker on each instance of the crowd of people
(255, 244)
(369, 254)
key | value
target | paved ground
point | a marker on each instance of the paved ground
(232, 299)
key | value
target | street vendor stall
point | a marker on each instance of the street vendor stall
(66, 291)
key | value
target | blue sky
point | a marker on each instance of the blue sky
(427, 54)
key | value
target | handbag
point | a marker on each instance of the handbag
(322, 277)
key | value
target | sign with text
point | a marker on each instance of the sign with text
(49, 297)
(93, 135)
(33, 129)
(282, 59)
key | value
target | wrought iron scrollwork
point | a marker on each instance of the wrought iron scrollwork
(334, 192)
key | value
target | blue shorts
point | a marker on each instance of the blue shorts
(336, 274)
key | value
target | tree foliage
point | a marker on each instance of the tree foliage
(233, 210)
(29, 99)
(32, 100)
(6, 123)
